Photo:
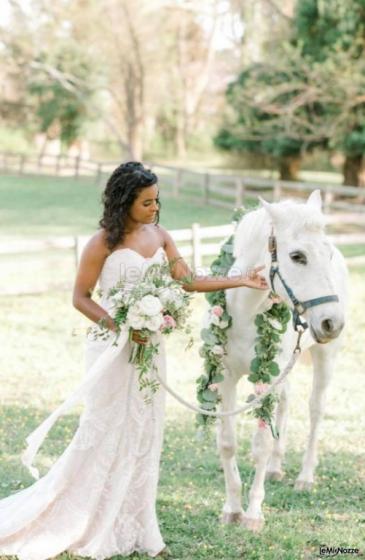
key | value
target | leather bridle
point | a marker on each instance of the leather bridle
(300, 307)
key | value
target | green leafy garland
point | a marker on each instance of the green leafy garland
(270, 326)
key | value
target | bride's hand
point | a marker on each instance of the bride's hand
(255, 280)
(139, 338)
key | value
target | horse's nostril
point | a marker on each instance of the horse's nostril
(327, 325)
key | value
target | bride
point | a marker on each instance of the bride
(99, 498)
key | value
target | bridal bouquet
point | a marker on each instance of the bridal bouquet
(157, 304)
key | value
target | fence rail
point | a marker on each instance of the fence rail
(226, 190)
(344, 206)
(191, 242)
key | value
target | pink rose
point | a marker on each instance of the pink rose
(217, 310)
(261, 388)
(168, 323)
(262, 424)
(213, 386)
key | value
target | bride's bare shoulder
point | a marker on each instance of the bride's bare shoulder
(163, 234)
(97, 246)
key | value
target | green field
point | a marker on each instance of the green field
(50, 206)
(41, 360)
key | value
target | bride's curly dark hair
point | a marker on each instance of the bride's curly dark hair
(122, 189)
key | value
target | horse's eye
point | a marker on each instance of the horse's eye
(298, 257)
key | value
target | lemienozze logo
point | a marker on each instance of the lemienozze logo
(331, 551)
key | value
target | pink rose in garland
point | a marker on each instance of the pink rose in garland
(168, 324)
(261, 388)
(217, 310)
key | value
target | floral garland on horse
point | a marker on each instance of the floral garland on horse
(270, 325)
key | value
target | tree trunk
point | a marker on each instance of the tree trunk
(180, 137)
(135, 141)
(352, 170)
(289, 167)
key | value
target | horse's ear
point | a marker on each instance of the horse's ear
(270, 208)
(315, 199)
(264, 203)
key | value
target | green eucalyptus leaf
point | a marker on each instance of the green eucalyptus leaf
(211, 396)
(273, 368)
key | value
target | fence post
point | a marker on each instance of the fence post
(58, 164)
(77, 167)
(177, 183)
(21, 164)
(277, 191)
(206, 187)
(40, 162)
(328, 199)
(239, 192)
(196, 257)
(98, 174)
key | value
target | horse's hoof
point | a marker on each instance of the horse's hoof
(254, 525)
(274, 475)
(303, 486)
(232, 517)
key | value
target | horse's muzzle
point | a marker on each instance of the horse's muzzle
(327, 330)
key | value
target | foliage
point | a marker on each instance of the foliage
(255, 127)
(215, 336)
(307, 92)
(270, 326)
(325, 31)
(61, 96)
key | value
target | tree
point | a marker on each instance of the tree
(308, 95)
(52, 73)
(323, 30)
(58, 87)
(189, 32)
(272, 112)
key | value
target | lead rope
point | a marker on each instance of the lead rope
(252, 404)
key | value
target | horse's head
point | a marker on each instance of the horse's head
(306, 263)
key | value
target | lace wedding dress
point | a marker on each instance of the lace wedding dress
(98, 499)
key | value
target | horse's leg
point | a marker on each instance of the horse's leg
(274, 468)
(262, 445)
(226, 442)
(323, 361)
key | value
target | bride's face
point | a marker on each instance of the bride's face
(144, 209)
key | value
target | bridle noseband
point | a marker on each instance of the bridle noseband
(299, 306)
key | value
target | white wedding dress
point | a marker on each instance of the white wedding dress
(98, 499)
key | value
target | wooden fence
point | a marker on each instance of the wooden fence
(226, 190)
(345, 206)
(196, 244)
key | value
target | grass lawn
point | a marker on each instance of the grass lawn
(42, 359)
(50, 206)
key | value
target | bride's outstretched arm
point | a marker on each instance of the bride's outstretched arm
(193, 282)
(91, 263)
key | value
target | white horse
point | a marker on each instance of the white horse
(312, 268)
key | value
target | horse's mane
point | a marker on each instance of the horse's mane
(288, 215)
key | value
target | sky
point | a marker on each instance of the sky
(229, 28)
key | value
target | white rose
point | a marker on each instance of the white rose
(154, 323)
(178, 299)
(150, 305)
(134, 320)
(223, 324)
(171, 296)
(166, 296)
(218, 350)
(215, 320)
